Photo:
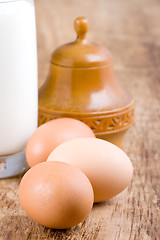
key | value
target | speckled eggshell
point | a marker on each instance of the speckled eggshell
(56, 195)
(108, 168)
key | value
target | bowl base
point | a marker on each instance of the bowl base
(115, 138)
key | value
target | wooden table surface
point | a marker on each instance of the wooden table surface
(131, 31)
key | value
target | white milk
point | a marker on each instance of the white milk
(18, 75)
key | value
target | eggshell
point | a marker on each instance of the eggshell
(108, 168)
(56, 195)
(49, 135)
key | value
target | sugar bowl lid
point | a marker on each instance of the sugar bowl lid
(81, 53)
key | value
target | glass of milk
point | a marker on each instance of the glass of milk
(18, 83)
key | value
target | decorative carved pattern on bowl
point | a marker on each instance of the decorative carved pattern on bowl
(101, 122)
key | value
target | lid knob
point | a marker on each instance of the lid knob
(81, 27)
(81, 53)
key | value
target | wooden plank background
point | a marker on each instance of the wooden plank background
(131, 31)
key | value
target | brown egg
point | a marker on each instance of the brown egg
(107, 167)
(51, 134)
(56, 195)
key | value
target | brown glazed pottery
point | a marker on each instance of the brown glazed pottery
(81, 84)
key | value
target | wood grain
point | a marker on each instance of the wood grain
(130, 30)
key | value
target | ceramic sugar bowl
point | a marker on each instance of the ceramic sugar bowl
(81, 84)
